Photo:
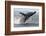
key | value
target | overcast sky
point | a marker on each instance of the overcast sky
(24, 10)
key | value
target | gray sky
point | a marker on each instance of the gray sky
(24, 10)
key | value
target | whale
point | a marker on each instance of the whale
(27, 15)
(22, 18)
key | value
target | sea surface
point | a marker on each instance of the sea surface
(26, 25)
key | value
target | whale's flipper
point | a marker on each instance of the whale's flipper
(23, 14)
(29, 14)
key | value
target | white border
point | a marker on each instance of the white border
(26, 28)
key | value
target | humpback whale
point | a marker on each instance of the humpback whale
(27, 15)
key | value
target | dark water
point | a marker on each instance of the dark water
(26, 25)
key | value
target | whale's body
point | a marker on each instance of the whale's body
(29, 14)
(22, 19)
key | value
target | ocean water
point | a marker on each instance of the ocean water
(26, 25)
